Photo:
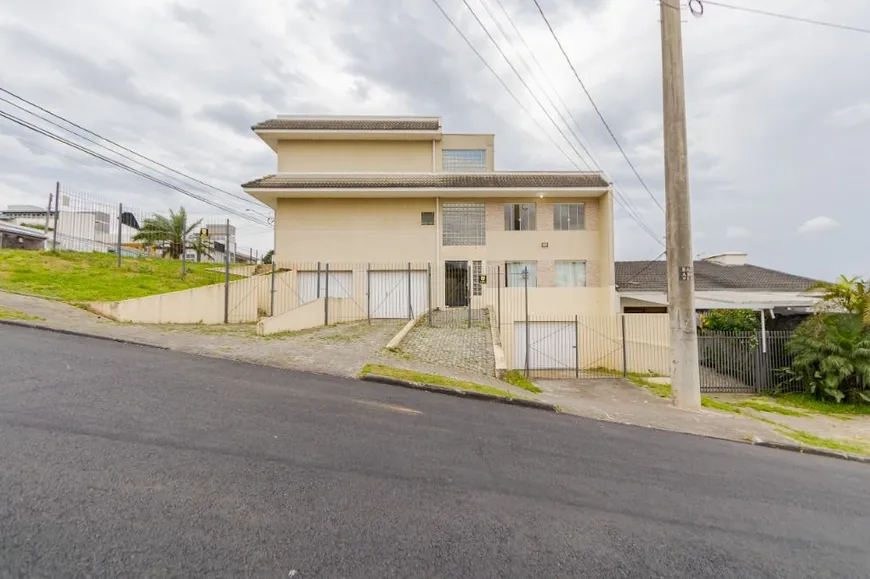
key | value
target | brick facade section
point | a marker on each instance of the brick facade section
(494, 216)
(546, 273)
(591, 212)
(544, 216)
(593, 274)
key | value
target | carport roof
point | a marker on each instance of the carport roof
(22, 231)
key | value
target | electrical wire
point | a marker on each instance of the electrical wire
(524, 83)
(97, 143)
(628, 205)
(595, 106)
(697, 9)
(125, 167)
(644, 268)
(525, 63)
(150, 160)
(618, 196)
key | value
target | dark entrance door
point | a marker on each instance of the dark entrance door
(456, 283)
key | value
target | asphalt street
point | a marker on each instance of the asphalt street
(125, 461)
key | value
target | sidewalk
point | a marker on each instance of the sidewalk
(616, 400)
(343, 350)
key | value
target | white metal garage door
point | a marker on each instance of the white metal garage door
(388, 294)
(552, 345)
(340, 285)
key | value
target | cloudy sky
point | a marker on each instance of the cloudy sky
(779, 111)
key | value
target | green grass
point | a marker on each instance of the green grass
(764, 406)
(516, 378)
(707, 402)
(7, 314)
(86, 277)
(809, 403)
(660, 390)
(433, 379)
(829, 443)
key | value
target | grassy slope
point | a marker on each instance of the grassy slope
(85, 277)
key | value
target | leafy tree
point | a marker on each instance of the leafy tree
(848, 294)
(171, 235)
(832, 356)
(268, 257)
(731, 321)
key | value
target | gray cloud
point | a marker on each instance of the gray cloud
(777, 132)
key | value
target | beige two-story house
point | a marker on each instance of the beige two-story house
(383, 192)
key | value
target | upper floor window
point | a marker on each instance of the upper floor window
(569, 217)
(519, 217)
(463, 160)
(464, 223)
(427, 218)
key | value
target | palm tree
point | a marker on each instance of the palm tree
(171, 235)
(847, 294)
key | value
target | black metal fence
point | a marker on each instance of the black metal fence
(745, 362)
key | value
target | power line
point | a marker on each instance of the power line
(595, 106)
(523, 60)
(697, 8)
(526, 85)
(628, 205)
(150, 160)
(125, 167)
(617, 194)
(545, 75)
(97, 143)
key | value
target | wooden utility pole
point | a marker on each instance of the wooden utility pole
(685, 379)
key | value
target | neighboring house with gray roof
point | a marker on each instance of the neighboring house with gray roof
(723, 281)
(16, 237)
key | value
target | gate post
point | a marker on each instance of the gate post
(326, 298)
(410, 289)
(624, 350)
(369, 292)
(429, 290)
(576, 346)
(528, 333)
(470, 289)
(272, 296)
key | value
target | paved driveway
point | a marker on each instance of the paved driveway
(127, 461)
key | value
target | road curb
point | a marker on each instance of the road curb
(812, 450)
(459, 393)
(80, 334)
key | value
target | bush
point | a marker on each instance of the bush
(731, 321)
(832, 356)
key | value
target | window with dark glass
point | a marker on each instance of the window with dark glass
(519, 217)
(427, 218)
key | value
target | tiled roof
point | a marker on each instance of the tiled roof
(430, 180)
(370, 124)
(652, 276)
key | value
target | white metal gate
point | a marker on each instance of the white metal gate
(552, 345)
(389, 297)
(340, 285)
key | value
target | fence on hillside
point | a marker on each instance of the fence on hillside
(78, 221)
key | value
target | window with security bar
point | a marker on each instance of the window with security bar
(463, 223)
(520, 217)
(463, 160)
(569, 217)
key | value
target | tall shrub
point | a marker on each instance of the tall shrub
(832, 356)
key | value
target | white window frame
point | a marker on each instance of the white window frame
(513, 271)
(564, 222)
(574, 277)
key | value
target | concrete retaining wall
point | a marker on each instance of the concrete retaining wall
(310, 315)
